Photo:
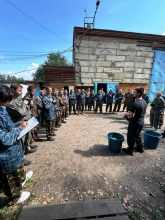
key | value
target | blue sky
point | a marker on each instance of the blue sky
(21, 37)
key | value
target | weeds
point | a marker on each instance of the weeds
(118, 196)
(153, 214)
(136, 214)
(6, 211)
(31, 180)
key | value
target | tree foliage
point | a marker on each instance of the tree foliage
(10, 78)
(53, 59)
(39, 74)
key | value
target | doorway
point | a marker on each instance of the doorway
(102, 86)
(66, 88)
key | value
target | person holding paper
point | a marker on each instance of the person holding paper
(49, 110)
(19, 110)
(12, 172)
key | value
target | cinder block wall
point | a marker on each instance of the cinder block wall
(104, 59)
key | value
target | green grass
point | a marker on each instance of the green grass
(6, 211)
(153, 214)
(136, 214)
(31, 180)
(118, 196)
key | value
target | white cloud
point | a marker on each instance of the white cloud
(33, 66)
(27, 75)
(163, 33)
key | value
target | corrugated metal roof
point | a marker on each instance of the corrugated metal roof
(120, 34)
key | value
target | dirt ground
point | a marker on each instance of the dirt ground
(79, 166)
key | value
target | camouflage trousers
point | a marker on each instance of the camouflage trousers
(66, 114)
(156, 118)
(58, 118)
(34, 134)
(27, 141)
(63, 113)
(49, 127)
(12, 183)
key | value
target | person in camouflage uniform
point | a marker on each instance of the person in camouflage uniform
(11, 155)
(49, 109)
(126, 99)
(157, 111)
(40, 107)
(34, 111)
(63, 103)
(58, 109)
(19, 110)
(67, 104)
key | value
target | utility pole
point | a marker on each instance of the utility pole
(97, 5)
(92, 19)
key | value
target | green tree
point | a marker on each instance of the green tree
(53, 59)
(2, 77)
(11, 78)
(39, 74)
(56, 59)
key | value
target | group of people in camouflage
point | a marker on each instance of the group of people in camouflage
(51, 108)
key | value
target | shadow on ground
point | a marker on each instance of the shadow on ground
(98, 150)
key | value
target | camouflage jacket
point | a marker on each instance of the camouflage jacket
(32, 104)
(65, 100)
(18, 111)
(49, 107)
(57, 103)
(39, 104)
(158, 104)
(11, 155)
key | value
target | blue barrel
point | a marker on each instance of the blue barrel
(151, 139)
(115, 141)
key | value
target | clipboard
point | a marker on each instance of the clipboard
(31, 124)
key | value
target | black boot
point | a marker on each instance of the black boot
(127, 151)
(50, 139)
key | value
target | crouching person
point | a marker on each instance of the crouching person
(49, 110)
(12, 175)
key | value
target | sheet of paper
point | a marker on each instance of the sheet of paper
(31, 124)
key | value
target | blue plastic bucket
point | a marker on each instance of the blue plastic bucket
(151, 139)
(115, 145)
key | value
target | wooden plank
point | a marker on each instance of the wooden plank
(83, 209)
(121, 217)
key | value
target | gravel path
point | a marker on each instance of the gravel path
(79, 166)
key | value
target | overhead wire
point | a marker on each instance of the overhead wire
(67, 50)
(39, 65)
(19, 34)
(7, 51)
(36, 21)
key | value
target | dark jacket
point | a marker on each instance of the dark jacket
(99, 98)
(77, 96)
(92, 97)
(72, 98)
(81, 98)
(158, 104)
(146, 98)
(109, 97)
(49, 107)
(119, 97)
(11, 155)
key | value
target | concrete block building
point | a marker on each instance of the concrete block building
(113, 59)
